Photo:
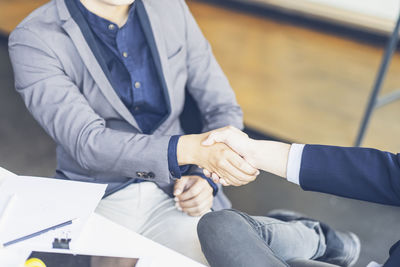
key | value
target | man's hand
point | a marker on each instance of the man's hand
(269, 156)
(218, 158)
(193, 195)
(237, 140)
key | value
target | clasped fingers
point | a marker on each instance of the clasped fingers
(197, 199)
(233, 168)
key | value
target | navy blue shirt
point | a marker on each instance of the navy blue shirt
(133, 73)
(131, 67)
(134, 76)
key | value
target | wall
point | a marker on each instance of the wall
(384, 9)
(374, 15)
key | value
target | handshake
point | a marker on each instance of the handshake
(230, 157)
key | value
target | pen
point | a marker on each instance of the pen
(20, 239)
(7, 209)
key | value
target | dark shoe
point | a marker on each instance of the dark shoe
(342, 249)
(287, 215)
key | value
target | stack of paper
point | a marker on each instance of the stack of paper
(39, 203)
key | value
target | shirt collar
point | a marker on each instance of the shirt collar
(101, 25)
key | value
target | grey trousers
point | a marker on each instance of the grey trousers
(235, 239)
(146, 209)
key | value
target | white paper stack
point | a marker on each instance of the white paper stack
(39, 203)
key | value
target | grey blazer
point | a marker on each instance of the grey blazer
(65, 85)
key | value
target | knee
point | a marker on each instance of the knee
(222, 235)
(213, 221)
(217, 226)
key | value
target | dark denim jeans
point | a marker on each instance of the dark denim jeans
(232, 238)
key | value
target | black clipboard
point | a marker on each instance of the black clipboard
(53, 259)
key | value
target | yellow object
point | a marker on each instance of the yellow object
(34, 262)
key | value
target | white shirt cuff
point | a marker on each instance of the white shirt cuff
(294, 163)
(374, 264)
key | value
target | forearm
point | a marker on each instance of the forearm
(187, 149)
(126, 154)
(270, 156)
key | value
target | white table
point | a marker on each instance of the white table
(103, 237)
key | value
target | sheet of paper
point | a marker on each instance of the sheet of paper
(13, 257)
(4, 174)
(44, 202)
(118, 241)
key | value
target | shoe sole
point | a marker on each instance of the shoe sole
(293, 215)
(357, 248)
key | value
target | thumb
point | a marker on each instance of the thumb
(218, 137)
(180, 186)
(209, 141)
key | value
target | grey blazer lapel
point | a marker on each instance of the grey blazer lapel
(152, 29)
(83, 39)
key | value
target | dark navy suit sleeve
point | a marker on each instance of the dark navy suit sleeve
(394, 259)
(177, 171)
(359, 173)
(174, 168)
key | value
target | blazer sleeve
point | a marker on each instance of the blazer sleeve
(65, 114)
(206, 81)
(394, 256)
(359, 173)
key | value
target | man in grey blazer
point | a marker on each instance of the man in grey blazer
(106, 79)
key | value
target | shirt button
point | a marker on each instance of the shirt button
(138, 85)
(137, 108)
(125, 54)
(111, 27)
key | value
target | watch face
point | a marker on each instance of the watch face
(46, 259)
